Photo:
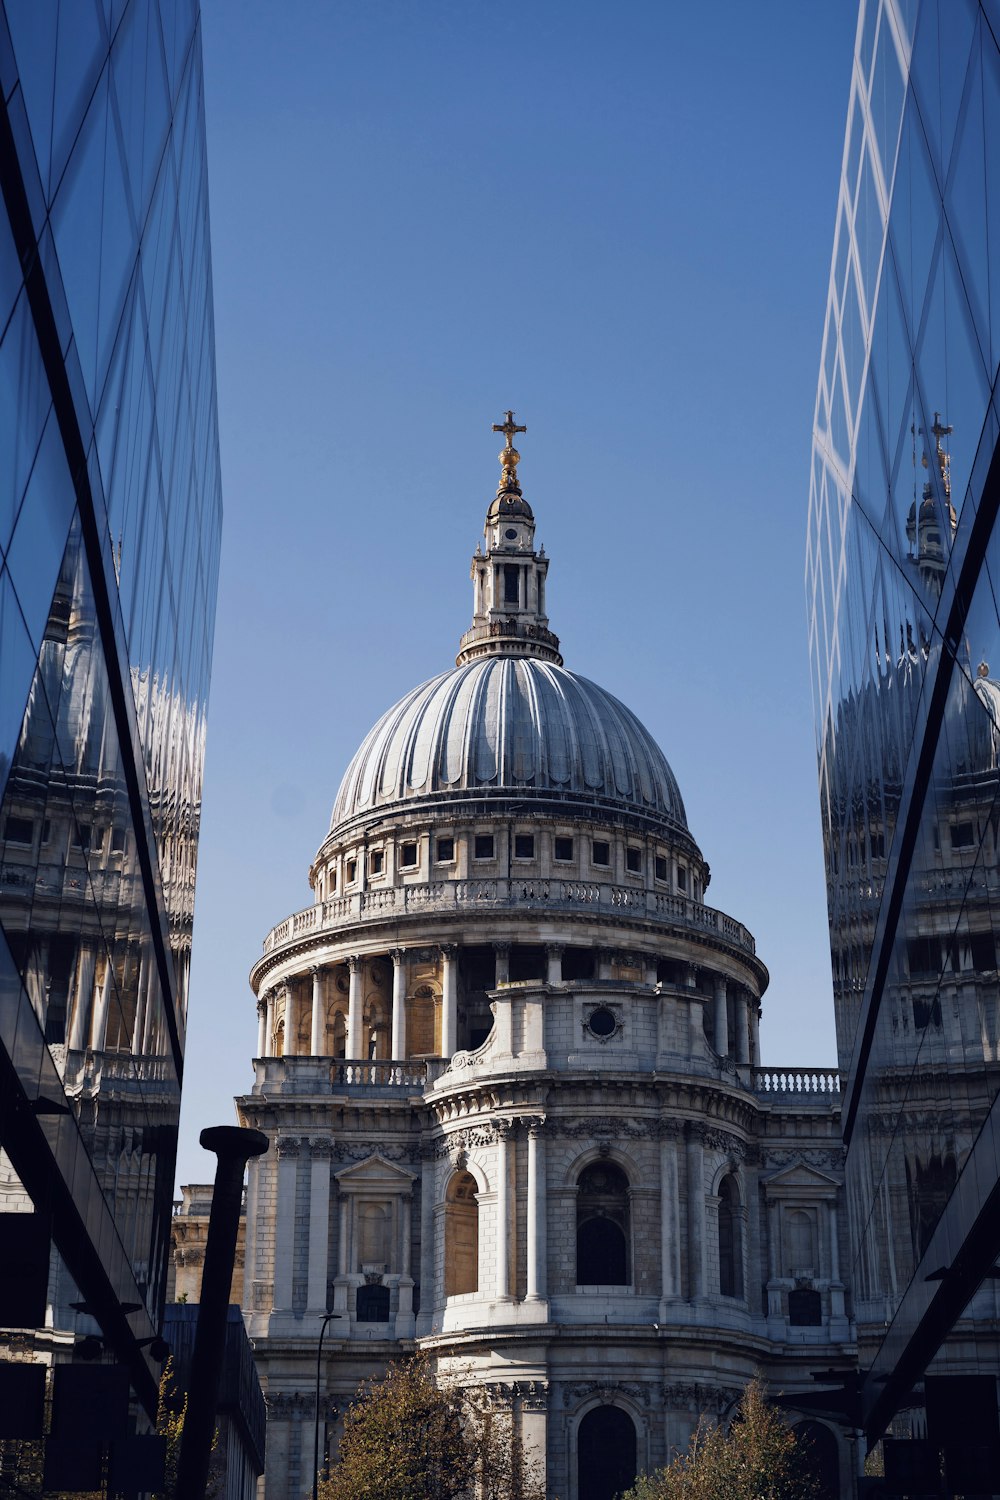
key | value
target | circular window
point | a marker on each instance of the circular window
(510, 534)
(602, 1021)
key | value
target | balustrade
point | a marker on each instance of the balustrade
(458, 895)
(816, 1081)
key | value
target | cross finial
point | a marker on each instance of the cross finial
(508, 428)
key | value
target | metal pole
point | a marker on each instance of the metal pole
(234, 1147)
(328, 1317)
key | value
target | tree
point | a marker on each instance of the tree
(408, 1438)
(759, 1458)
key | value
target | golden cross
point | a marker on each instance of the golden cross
(508, 428)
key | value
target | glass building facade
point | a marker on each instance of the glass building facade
(110, 519)
(903, 593)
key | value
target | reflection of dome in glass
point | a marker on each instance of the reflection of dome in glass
(511, 723)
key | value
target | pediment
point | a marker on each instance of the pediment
(375, 1171)
(800, 1177)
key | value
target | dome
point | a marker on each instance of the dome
(511, 723)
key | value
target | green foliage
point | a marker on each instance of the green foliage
(403, 1440)
(759, 1458)
(407, 1438)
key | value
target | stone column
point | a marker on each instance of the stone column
(696, 1214)
(537, 1227)
(343, 1236)
(742, 1026)
(721, 1022)
(141, 1001)
(319, 1224)
(398, 1046)
(284, 1224)
(317, 1030)
(261, 1028)
(269, 1049)
(355, 1049)
(83, 998)
(405, 1247)
(503, 1211)
(754, 1031)
(696, 1029)
(102, 1009)
(502, 951)
(428, 1288)
(670, 1247)
(291, 1018)
(554, 953)
(449, 1000)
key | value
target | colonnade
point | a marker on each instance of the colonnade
(730, 1001)
(92, 992)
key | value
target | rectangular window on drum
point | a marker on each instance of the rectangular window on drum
(511, 584)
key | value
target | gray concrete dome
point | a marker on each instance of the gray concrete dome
(511, 723)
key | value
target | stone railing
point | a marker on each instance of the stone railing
(394, 902)
(320, 1075)
(388, 1073)
(796, 1082)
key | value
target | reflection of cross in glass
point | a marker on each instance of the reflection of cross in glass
(508, 428)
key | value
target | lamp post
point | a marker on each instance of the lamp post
(327, 1318)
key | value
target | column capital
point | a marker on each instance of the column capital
(553, 948)
(316, 970)
(534, 1125)
(721, 983)
(503, 1127)
(447, 950)
(320, 1147)
(261, 1007)
(501, 946)
(354, 962)
(398, 956)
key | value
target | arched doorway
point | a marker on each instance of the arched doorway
(823, 1457)
(606, 1453)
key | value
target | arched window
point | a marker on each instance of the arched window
(339, 1035)
(730, 1239)
(461, 1236)
(279, 1039)
(606, 1453)
(602, 1226)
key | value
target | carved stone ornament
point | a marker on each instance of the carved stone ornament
(320, 1146)
(462, 1140)
(285, 1406)
(698, 1397)
(606, 1389)
(289, 1146)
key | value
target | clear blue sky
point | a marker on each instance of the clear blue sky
(615, 218)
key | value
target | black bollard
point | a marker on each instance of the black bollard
(234, 1147)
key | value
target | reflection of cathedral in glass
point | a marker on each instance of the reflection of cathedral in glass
(110, 516)
(509, 1062)
(905, 641)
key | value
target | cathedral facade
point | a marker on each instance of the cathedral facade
(509, 1066)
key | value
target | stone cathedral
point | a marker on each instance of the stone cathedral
(508, 1063)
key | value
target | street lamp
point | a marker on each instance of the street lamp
(327, 1318)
